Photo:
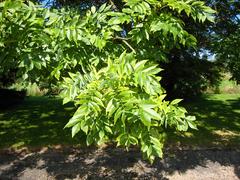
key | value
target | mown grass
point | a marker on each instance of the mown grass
(218, 120)
(39, 121)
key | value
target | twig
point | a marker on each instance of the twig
(121, 38)
(129, 46)
(113, 5)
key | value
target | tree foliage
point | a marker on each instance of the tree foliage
(188, 75)
(98, 57)
(229, 55)
(215, 53)
(212, 39)
(225, 36)
(125, 102)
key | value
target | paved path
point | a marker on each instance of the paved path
(112, 163)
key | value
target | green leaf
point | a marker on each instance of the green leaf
(98, 101)
(84, 128)
(191, 118)
(68, 33)
(93, 9)
(74, 120)
(152, 113)
(117, 115)
(140, 65)
(145, 118)
(148, 105)
(176, 101)
(133, 140)
(66, 100)
(101, 134)
(89, 139)
(102, 7)
(110, 106)
(75, 129)
(192, 125)
(116, 28)
(114, 21)
(52, 19)
(157, 145)
(108, 129)
(152, 70)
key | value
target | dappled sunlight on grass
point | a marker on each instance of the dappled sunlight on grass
(38, 121)
(218, 120)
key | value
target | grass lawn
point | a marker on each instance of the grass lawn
(218, 120)
(39, 121)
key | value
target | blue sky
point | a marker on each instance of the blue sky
(47, 3)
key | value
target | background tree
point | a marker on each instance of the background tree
(225, 36)
(216, 52)
(196, 74)
(101, 66)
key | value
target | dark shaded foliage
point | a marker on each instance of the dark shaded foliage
(224, 36)
(8, 78)
(186, 75)
(11, 98)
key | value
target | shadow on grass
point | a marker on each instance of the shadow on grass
(40, 121)
(37, 121)
(218, 120)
